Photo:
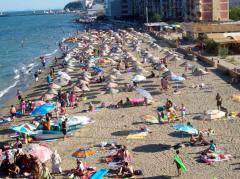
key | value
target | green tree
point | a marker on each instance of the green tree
(154, 17)
(234, 13)
(211, 47)
(77, 5)
(223, 52)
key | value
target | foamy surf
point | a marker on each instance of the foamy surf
(5, 91)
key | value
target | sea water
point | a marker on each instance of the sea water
(23, 39)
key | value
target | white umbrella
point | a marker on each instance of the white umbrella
(113, 91)
(83, 82)
(61, 81)
(138, 78)
(76, 89)
(52, 91)
(64, 75)
(112, 85)
(144, 93)
(55, 86)
(85, 88)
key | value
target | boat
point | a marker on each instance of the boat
(49, 135)
(3, 15)
(74, 123)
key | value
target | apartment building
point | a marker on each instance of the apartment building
(118, 8)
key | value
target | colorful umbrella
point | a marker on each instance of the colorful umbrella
(84, 153)
(144, 93)
(185, 128)
(43, 110)
(42, 152)
(97, 69)
(24, 128)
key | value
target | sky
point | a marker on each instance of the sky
(20, 5)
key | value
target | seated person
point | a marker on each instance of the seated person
(199, 140)
(126, 170)
(119, 104)
(18, 144)
(152, 75)
(80, 169)
(127, 103)
(13, 170)
(47, 124)
(212, 147)
(91, 107)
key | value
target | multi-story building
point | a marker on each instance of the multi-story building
(195, 10)
(118, 8)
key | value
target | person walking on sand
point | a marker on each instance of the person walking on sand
(36, 76)
(177, 163)
(64, 128)
(183, 112)
(219, 101)
(23, 106)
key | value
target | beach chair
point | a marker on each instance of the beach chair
(100, 174)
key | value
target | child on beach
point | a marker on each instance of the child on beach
(177, 164)
(23, 106)
(13, 112)
(183, 112)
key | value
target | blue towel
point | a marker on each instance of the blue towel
(100, 173)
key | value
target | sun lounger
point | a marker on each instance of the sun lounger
(99, 174)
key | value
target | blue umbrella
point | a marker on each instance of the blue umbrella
(22, 129)
(43, 110)
(185, 128)
(97, 69)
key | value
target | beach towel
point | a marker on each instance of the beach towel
(100, 174)
(138, 135)
(3, 121)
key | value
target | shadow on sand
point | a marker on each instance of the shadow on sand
(152, 148)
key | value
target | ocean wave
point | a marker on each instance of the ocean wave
(3, 92)
(50, 54)
(17, 75)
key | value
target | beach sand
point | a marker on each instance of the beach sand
(154, 154)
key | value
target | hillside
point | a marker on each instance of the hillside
(76, 5)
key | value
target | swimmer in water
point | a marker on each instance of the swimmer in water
(22, 43)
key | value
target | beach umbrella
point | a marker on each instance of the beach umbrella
(37, 103)
(55, 86)
(61, 81)
(64, 75)
(185, 128)
(24, 128)
(76, 89)
(42, 152)
(48, 97)
(43, 110)
(138, 78)
(97, 69)
(85, 88)
(83, 82)
(84, 153)
(52, 91)
(176, 78)
(112, 85)
(144, 93)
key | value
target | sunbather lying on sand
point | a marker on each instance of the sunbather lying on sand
(209, 158)
(126, 170)
(199, 140)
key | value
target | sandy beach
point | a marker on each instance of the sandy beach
(153, 154)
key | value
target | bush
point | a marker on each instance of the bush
(154, 17)
(211, 47)
(234, 13)
(223, 52)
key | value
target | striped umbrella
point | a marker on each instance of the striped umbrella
(84, 153)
